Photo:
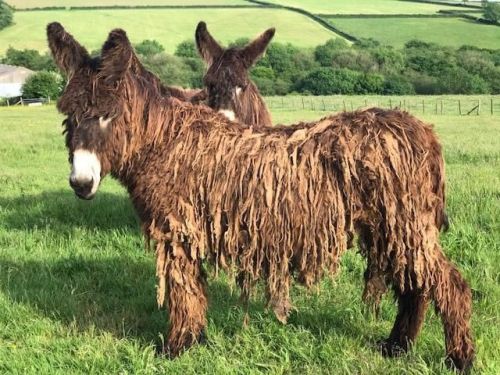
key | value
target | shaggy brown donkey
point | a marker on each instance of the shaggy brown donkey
(272, 204)
(229, 88)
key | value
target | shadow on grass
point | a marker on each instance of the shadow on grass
(61, 209)
(117, 295)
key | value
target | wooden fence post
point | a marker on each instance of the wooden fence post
(436, 107)
(423, 106)
(303, 106)
(478, 106)
(441, 106)
(459, 107)
(344, 105)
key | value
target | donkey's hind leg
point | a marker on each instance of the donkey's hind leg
(453, 301)
(412, 306)
(187, 301)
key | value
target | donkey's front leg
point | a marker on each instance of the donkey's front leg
(187, 301)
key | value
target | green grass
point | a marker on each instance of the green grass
(417, 104)
(453, 32)
(77, 290)
(363, 6)
(30, 4)
(169, 27)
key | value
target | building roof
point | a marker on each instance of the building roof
(13, 74)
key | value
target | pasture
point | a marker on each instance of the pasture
(453, 32)
(30, 4)
(167, 26)
(77, 289)
(363, 6)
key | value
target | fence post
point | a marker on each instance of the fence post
(390, 103)
(478, 106)
(441, 106)
(436, 107)
(324, 105)
(459, 107)
(344, 105)
(423, 106)
(303, 106)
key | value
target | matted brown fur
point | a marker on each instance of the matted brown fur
(227, 81)
(275, 204)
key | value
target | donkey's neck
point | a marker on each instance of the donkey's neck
(251, 108)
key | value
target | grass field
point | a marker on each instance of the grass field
(77, 290)
(453, 32)
(363, 6)
(27, 4)
(169, 27)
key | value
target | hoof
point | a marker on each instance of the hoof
(171, 351)
(390, 348)
(461, 365)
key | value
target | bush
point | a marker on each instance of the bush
(458, 81)
(149, 47)
(5, 15)
(327, 81)
(187, 49)
(172, 70)
(397, 85)
(369, 84)
(491, 12)
(428, 58)
(29, 58)
(325, 53)
(43, 85)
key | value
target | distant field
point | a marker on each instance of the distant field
(26, 4)
(363, 6)
(77, 289)
(167, 26)
(453, 32)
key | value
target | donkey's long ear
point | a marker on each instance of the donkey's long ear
(68, 54)
(208, 48)
(253, 51)
(117, 55)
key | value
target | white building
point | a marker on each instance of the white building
(12, 79)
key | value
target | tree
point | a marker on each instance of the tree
(43, 85)
(5, 15)
(149, 47)
(491, 12)
(28, 58)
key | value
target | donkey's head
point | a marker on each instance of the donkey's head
(95, 104)
(229, 87)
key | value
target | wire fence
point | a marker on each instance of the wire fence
(460, 106)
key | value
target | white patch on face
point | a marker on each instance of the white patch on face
(103, 123)
(86, 167)
(228, 113)
(238, 91)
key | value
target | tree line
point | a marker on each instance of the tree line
(335, 67)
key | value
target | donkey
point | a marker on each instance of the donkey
(229, 88)
(272, 203)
